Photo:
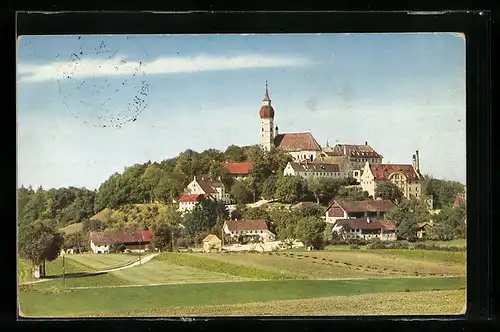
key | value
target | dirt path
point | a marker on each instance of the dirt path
(143, 260)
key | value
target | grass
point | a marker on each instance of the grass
(292, 264)
(24, 271)
(201, 261)
(102, 262)
(457, 257)
(72, 228)
(452, 243)
(394, 261)
(446, 302)
(93, 301)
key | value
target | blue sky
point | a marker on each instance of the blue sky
(78, 98)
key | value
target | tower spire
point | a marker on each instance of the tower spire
(266, 96)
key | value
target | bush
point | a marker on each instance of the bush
(354, 247)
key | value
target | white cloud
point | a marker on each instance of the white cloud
(80, 68)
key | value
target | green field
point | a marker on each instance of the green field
(95, 300)
(72, 228)
(185, 282)
(444, 302)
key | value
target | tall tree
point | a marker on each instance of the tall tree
(242, 192)
(406, 215)
(39, 242)
(310, 231)
(323, 189)
(352, 193)
(389, 191)
(443, 192)
(290, 189)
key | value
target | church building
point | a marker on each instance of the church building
(301, 146)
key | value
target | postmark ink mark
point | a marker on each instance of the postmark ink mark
(101, 90)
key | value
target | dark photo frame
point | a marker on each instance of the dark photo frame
(476, 27)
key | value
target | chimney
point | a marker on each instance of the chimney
(345, 150)
(276, 132)
(194, 177)
(417, 161)
(414, 162)
(366, 143)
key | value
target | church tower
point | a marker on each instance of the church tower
(267, 133)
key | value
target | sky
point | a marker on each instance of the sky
(88, 106)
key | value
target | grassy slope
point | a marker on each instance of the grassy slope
(92, 301)
(415, 303)
(72, 228)
(297, 266)
(101, 262)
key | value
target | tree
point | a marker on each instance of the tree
(309, 211)
(242, 192)
(93, 226)
(235, 154)
(352, 193)
(310, 231)
(77, 241)
(205, 215)
(290, 189)
(406, 215)
(269, 187)
(389, 191)
(450, 223)
(39, 242)
(284, 223)
(116, 247)
(443, 192)
(255, 213)
(323, 189)
(238, 212)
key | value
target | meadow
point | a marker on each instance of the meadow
(320, 282)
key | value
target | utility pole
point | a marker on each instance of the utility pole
(64, 270)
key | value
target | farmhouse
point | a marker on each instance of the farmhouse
(202, 186)
(238, 171)
(212, 243)
(357, 209)
(135, 241)
(358, 154)
(189, 201)
(406, 177)
(365, 228)
(308, 169)
(257, 228)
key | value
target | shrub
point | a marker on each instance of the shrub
(354, 247)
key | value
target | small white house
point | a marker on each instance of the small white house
(189, 201)
(202, 186)
(235, 228)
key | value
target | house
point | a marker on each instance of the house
(135, 241)
(202, 185)
(423, 228)
(309, 170)
(407, 177)
(301, 146)
(212, 243)
(189, 201)
(339, 209)
(365, 228)
(358, 154)
(235, 228)
(238, 171)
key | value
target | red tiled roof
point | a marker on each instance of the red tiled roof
(238, 168)
(297, 142)
(315, 167)
(365, 206)
(246, 225)
(354, 150)
(383, 171)
(190, 198)
(459, 200)
(361, 223)
(121, 237)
